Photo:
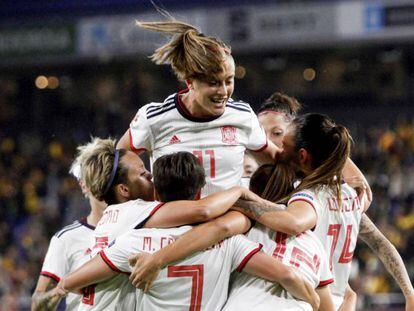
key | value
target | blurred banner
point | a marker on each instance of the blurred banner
(248, 28)
(36, 41)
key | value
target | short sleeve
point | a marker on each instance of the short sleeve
(116, 255)
(257, 140)
(309, 197)
(140, 137)
(242, 250)
(325, 273)
(55, 263)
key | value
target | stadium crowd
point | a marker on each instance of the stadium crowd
(38, 138)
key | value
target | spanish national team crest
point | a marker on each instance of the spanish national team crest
(228, 135)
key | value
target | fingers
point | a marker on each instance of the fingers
(133, 259)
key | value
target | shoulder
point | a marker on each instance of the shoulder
(348, 191)
(238, 105)
(155, 109)
(69, 230)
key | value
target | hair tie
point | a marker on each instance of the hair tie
(114, 168)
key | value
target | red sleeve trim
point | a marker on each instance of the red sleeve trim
(131, 144)
(326, 282)
(109, 262)
(50, 275)
(248, 257)
(261, 148)
(155, 209)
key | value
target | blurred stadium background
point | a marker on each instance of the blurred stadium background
(71, 69)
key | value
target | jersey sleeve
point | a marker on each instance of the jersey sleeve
(139, 215)
(242, 250)
(116, 255)
(309, 197)
(55, 263)
(140, 136)
(325, 273)
(257, 140)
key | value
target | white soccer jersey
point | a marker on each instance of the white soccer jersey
(219, 142)
(197, 283)
(337, 228)
(116, 293)
(68, 250)
(304, 251)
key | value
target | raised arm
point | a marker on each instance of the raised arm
(389, 256)
(46, 296)
(179, 213)
(297, 218)
(350, 171)
(146, 266)
(266, 267)
(91, 272)
(268, 155)
(124, 141)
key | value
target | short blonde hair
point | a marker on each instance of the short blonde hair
(96, 160)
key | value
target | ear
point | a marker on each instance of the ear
(305, 160)
(123, 191)
(189, 83)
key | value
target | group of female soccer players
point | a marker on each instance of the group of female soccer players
(305, 217)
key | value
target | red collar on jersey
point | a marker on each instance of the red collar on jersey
(182, 109)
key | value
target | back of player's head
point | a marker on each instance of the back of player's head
(178, 176)
(282, 103)
(329, 146)
(189, 52)
(273, 182)
(101, 169)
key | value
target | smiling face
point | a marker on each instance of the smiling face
(275, 125)
(210, 95)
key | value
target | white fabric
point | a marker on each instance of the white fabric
(162, 128)
(305, 252)
(338, 226)
(116, 293)
(68, 250)
(199, 281)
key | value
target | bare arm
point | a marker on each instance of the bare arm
(297, 218)
(350, 300)
(266, 267)
(388, 254)
(326, 299)
(92, 272)
(123, 142)
(268, 155)
(46, 296)
(179, 213)
(146, 266)
(351, 170)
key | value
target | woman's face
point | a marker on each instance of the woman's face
(275, 125)
(211, 96)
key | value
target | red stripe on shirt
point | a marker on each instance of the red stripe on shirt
(131, 144)
(109, 262)
(304, 200)
(50, 275)
(247, 258)
(156, 209)
(326, 282)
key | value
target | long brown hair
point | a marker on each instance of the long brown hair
(329, 145)
(273, 182)
(189, 52)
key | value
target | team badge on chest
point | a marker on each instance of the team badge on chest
(228, 135)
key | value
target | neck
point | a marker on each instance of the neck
(189, 101)
(97, 209)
